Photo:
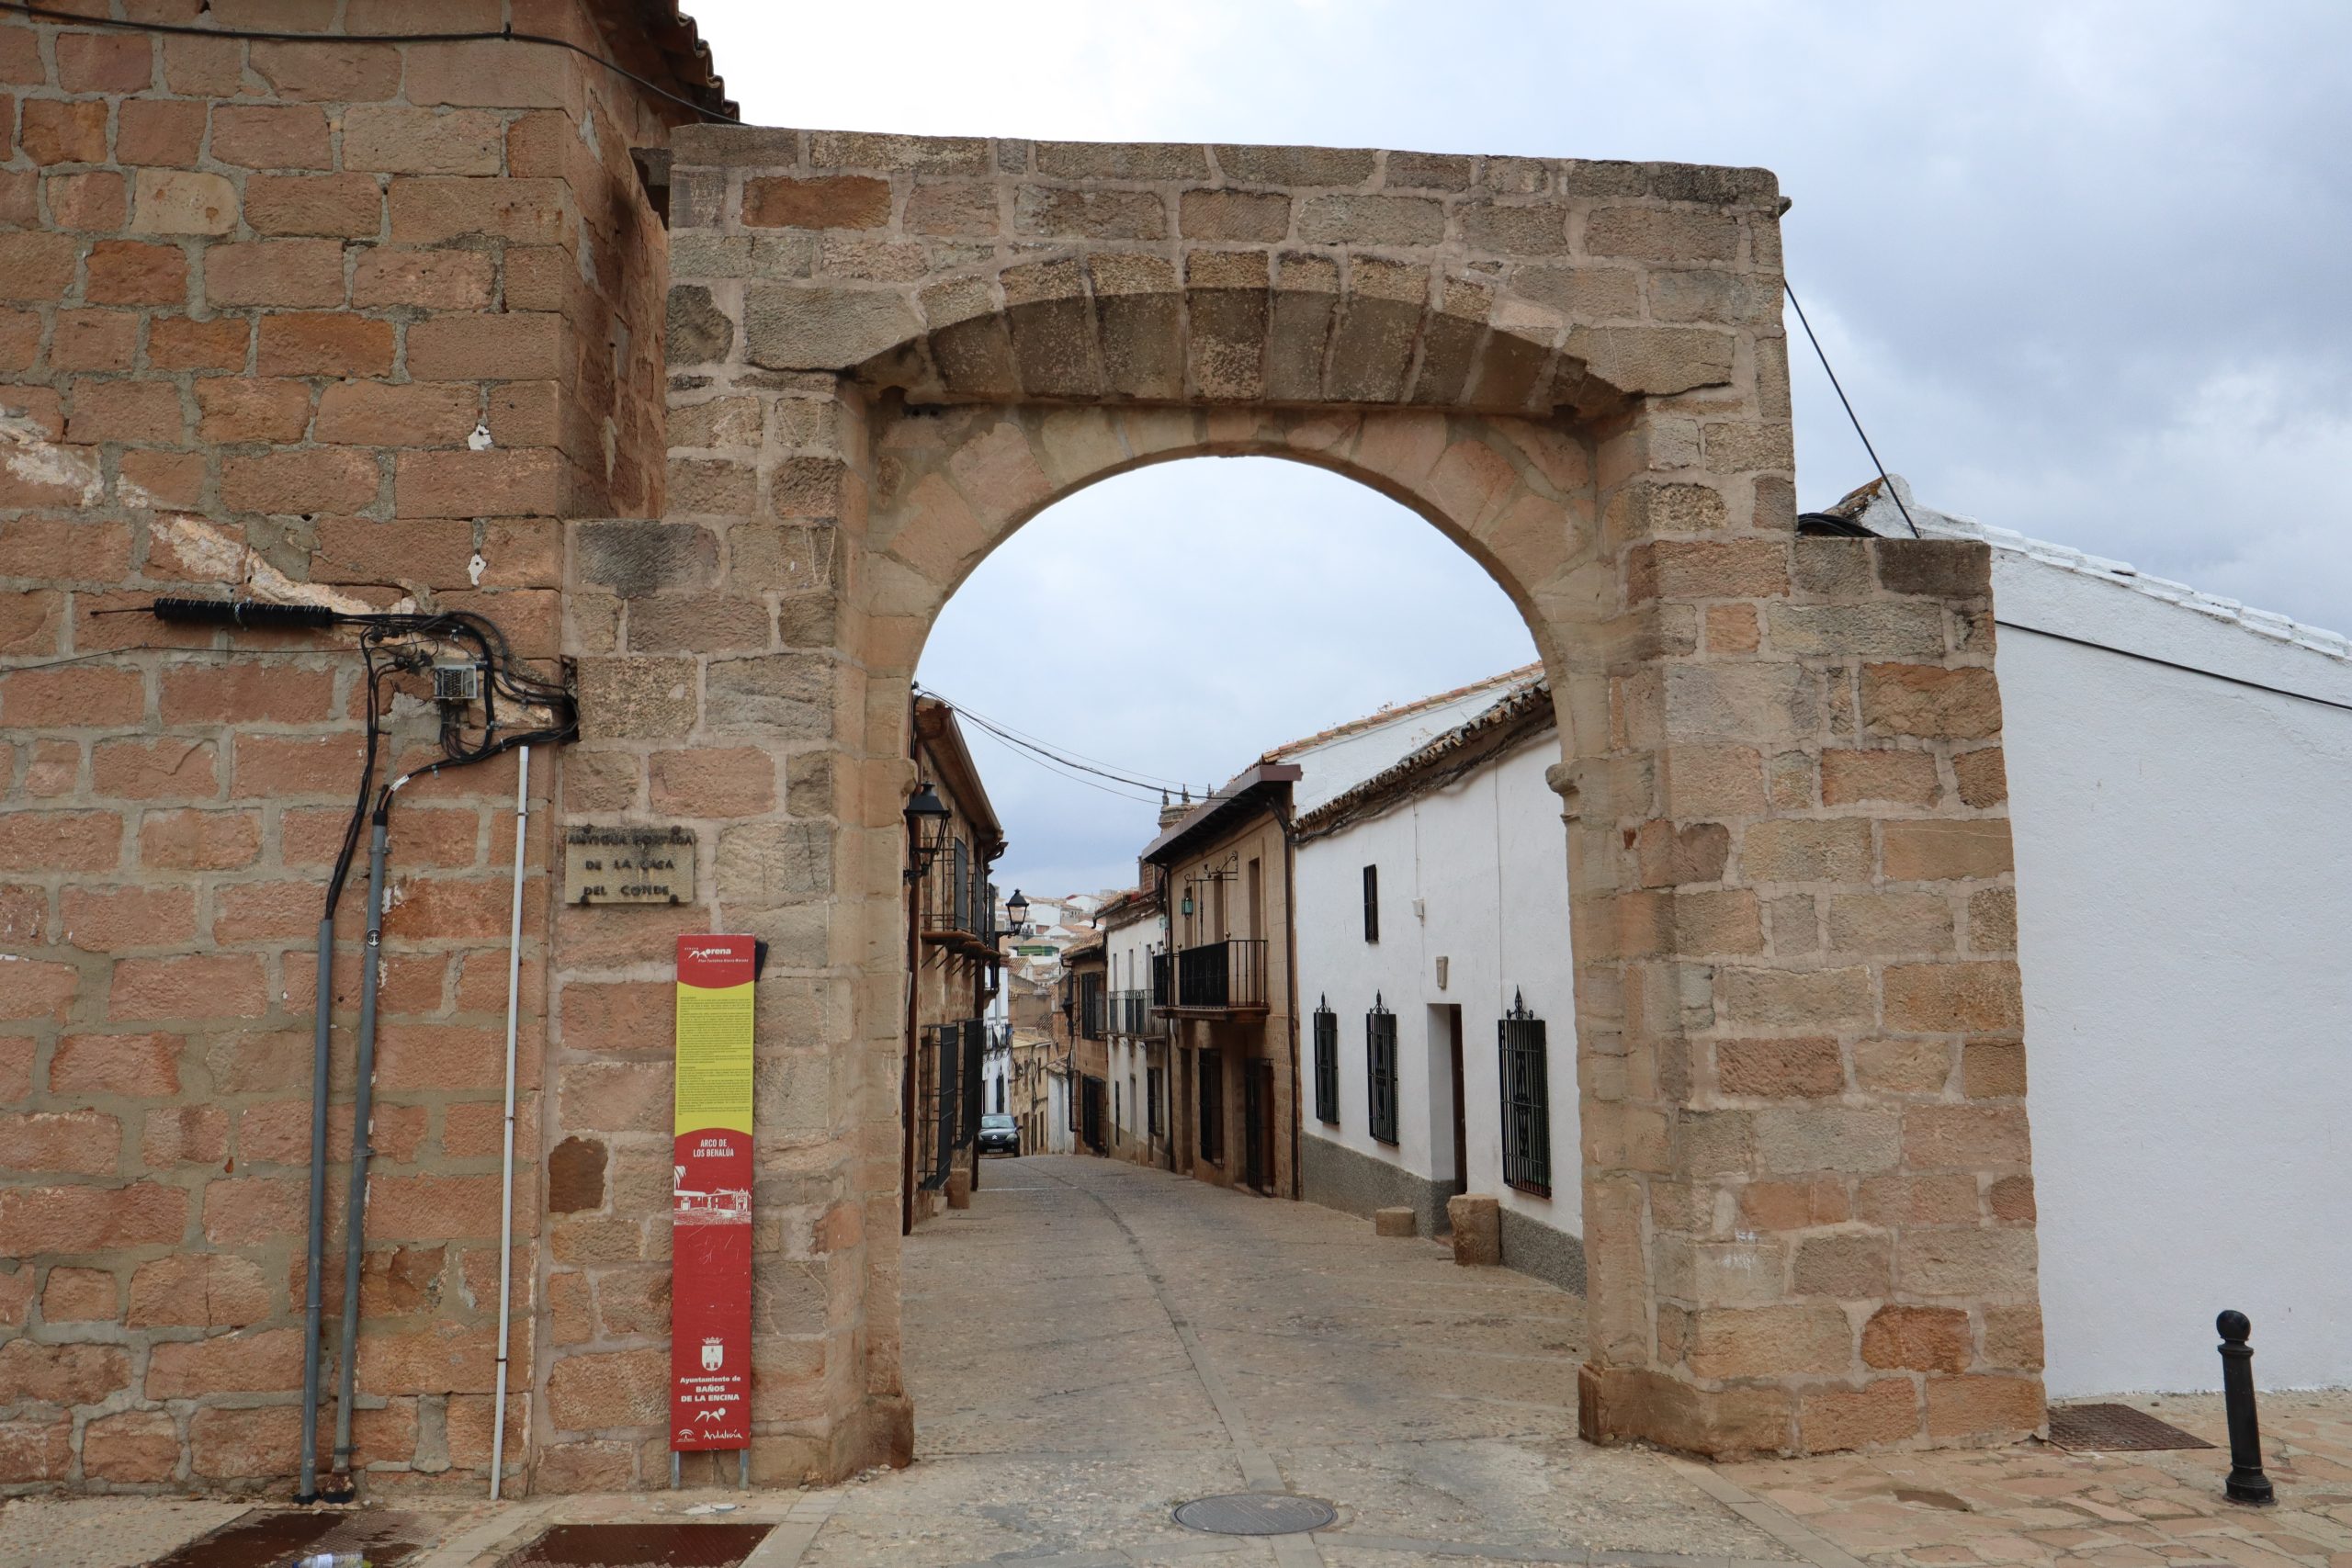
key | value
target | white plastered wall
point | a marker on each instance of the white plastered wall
(2184, 853)
(1485, 859)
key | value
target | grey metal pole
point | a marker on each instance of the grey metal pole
(356, 1207)
(316, 1250)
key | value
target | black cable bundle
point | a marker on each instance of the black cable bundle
(257, 613)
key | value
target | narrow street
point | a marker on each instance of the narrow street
(1093, 1343)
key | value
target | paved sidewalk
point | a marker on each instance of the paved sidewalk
(2034, 1504)
(1092, 1343)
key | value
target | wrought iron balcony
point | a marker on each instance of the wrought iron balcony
(956, 903)
(1227, 976)
(1132, 1015)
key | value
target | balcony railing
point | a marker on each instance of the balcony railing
(958, 902)
(1133, 1015)
(1221, 976)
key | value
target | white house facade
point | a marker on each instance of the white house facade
(1134, 931)
(1437, 1035)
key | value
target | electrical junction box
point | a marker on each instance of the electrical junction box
(456, 682)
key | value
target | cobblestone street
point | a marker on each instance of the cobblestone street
(1092, 1343)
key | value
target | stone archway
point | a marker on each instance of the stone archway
(1807, 1196)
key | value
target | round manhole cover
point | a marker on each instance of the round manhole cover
(1255, 1513)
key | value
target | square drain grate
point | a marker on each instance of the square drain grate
(274, 1536)
(641, 1546)
(2115, 1429)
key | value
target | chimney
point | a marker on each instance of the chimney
(1173, 812)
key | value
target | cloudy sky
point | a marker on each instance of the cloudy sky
(2081, 267)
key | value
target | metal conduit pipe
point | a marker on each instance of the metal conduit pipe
(506, 1184)
(363, 1096)
(314, 1251)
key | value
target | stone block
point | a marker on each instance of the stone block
(699, 332)
(959, 1188)
(1978, 997)
(1883, 1410)
(1930, 701)
(1394, 1223)
(1830, 1137)
(1964, 1263)
(1946, 851)
(1477, 1220)
(1936, 569)
(819, 327)
(638, 698)
(1770, 1341)
(1780, 1069)
(1985, 1406)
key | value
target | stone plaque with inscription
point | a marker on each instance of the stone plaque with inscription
(629, 865)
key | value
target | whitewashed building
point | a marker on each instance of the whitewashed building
(1134, 930)
(1439, 1045)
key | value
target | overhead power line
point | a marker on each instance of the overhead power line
(1851, 415)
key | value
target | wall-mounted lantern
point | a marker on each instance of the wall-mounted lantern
(927, 822)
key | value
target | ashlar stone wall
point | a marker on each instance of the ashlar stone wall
(256, 298)
(1807, 1182)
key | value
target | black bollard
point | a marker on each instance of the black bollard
(2246, 1482)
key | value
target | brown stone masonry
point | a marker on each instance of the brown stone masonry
(1804, 1157)
(255, 300)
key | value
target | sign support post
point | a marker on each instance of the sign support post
(710, 1202)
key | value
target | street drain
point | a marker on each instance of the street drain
(2115, 1429)
(641, 1546)
(274, 1536)
(1255, 1513)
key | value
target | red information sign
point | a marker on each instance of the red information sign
(710, 1202)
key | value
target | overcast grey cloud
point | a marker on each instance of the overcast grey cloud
(2080, 267)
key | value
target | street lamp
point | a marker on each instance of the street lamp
(1016, 910)
(927, 819)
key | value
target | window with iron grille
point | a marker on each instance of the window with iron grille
(1212, 1073)
(1257, 1101)
(944, 1040)
(959, 893)
(1380, 1061)
(1527, 1100)
(975, 1046)
(1152, 1090)
(1326, 1064)
(1371, 903)
(1090, 1129)
(1090, 1005)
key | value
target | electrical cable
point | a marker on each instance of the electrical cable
(1003, 728)
(1050, 755)
(389, 645)
(1025, 755)
(1851, 415)
(252, 35)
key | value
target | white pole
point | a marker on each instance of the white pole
(506, 1204)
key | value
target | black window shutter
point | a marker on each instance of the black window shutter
(1371, 903)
